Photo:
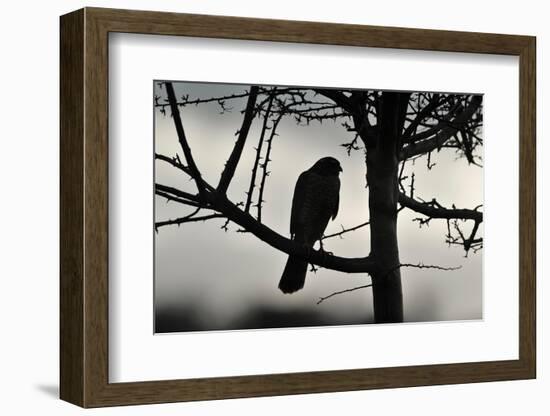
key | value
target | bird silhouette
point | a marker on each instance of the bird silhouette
(315, 201)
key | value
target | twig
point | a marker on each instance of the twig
(351, 145)
(225, 225)
(193, 169)
(434, 210)
(415, 265)
(258, 153)
(188, 218)
(186, 101)
(401, 178)
(433, 139)
(345, 230)
(179, 221)
(231, 165)
(267, 159)
(174, 161)
(178, 200)
(176, 192)
(323, 298)
(470, 243)
(434, 102)
(426, 266)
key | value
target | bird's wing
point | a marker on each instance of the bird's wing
(337, 203)
(298, 202)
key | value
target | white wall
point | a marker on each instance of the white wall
(29, 212)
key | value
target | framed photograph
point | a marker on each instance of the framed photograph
(255, 207)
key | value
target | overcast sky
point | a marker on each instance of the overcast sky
(206, 278)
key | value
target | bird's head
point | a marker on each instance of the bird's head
(327, 166)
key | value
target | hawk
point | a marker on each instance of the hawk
(315, 201)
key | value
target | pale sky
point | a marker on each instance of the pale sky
(206, 278)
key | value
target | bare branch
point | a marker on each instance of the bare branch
(174, 161)
(235, 156)
(472, 240)
(414, 265)
(193, 169)
(177, 221)
(353, 289)
(176, 192)
(186, 101)
(221, 205)
(337, 96)
(434, 210)
(187, 219)
(172, 198)
(421, 115)
(352, 145)
(346, 230)
(441, 133)
(258, 153)
(265, 172)
(267, 235)
(469, 243)
(428, 266)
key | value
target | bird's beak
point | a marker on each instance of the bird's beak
(340, 168)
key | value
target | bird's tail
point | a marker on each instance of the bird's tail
(294, 275)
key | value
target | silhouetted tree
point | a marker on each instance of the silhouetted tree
(391, 128)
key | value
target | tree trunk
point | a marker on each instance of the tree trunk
(382, 176)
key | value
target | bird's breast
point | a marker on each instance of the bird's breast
(319, 199)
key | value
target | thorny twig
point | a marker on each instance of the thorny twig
(391, 270)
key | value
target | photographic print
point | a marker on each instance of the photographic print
(293, 206)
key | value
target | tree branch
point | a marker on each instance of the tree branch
(189, 218)
(174, 161)
(469, 243)
(258, 153)
(414, 265)
(441, 133)
(345, 230)
(235, 156)
(349, 265)
(426, 266)
(434, 210)
(172, 198)
(267, 159)
(193, 169)
(337, 96)
(421, 115)
(176, 192)
(353, 289)
(225, 208)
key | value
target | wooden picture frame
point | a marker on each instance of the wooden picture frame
(84, 207)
